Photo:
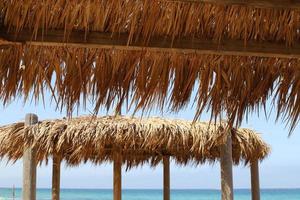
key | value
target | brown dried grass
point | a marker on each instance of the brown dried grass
(137, 140)
(148, 18)
(234, 85)
(231, 84)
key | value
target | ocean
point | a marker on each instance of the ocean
(132, 194)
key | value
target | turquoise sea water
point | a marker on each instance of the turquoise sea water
(94, 194)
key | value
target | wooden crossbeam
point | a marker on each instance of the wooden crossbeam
(184, 45)
(283, 4)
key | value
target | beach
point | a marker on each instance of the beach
(140, 194)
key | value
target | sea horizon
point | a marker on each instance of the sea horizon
(75, 188)
(152, 194)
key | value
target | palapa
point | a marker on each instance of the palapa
(149, 77)
(138, 140)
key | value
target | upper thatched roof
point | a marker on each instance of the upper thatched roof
(154, 18)
(138, 140)
(230, 82)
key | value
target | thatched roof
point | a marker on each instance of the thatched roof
(234, 83)
(138, 140)
(153, 18)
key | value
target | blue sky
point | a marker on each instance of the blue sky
(279, 170)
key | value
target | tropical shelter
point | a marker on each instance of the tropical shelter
(132, 142)
(236, 54)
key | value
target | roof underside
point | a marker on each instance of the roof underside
(235, 54)
(137, 140)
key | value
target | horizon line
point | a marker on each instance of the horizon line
(69, 188)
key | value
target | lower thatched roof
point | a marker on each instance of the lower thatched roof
(138, 140)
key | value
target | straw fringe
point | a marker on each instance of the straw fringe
(232, 85)
(138, 140)
(146, 79)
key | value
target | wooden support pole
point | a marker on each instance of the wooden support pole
(117, 177)
(56, 177)
(29, 165)
(166, 163)
(255, 180)
(226, 170)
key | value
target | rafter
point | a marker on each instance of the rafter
(185, 45)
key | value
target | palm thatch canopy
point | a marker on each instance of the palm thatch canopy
(137, 140)
(236, 54)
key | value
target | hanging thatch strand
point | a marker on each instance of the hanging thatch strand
(235, 85)
(138, 140)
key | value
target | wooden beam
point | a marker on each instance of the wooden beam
(117, 189)
(283, 4)
(255, 180)
(226, 170)
(166, 166)
(185, 45)
(56, 177)
(29, 165)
